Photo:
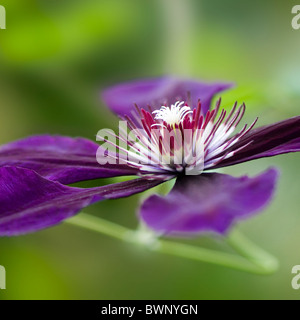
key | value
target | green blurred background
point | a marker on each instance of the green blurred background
(55, 56)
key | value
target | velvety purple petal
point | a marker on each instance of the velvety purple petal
(208, 203)
(157, 91)
(268, 141)
(64, 159)
(29, 202)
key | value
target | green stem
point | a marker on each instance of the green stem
(264, 260)
(99, 225)
(177, 28)
(256, 260)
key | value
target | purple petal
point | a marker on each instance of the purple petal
(209, 202)
(64, 159)
(157, 91)
(268, 141)
(29, 202)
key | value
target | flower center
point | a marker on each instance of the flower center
(172, 115)
(176, 140)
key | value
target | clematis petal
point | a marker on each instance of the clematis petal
(268, 141)
(208, 203)
(64, 159)
(158, 91)
(29, 202)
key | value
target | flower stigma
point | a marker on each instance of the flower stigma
(172, 115)
(177, 139)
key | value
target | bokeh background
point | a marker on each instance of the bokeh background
(56, 56)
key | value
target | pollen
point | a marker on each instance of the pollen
(173, 115)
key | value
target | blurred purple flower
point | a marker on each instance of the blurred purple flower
(34, 171)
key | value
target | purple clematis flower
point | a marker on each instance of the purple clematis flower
(35, 171)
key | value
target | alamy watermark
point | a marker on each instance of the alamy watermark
(296, 18)
(2, 278)
(296, 278)
(2, 17)
(160, 148)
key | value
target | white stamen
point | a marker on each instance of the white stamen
(172, 115)
(202, 144)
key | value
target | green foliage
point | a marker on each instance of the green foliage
(55, 56)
